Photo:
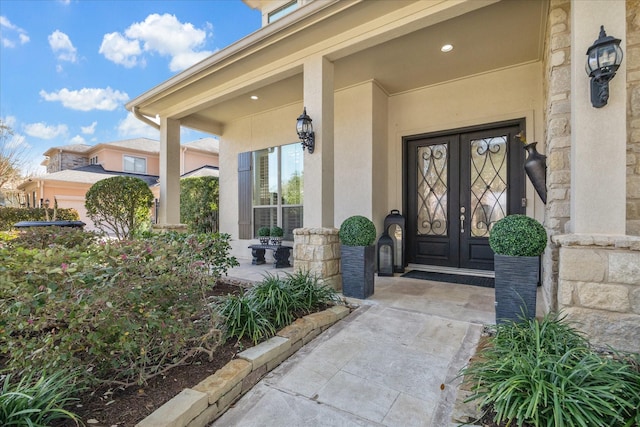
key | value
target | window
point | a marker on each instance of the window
(282, 11)
(93, 160)
(135, 164)
(277, 178)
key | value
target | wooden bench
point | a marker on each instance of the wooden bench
(281, 254)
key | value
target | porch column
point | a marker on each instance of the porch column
(318, 167)
(169, 209)
(598, 135)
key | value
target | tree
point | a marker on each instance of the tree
(120, 204)
(12, 155)
(292, 190)
(199, 203)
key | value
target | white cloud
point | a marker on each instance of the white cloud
(62, 46)
(89, 130)
(187, 59)
(117, 48)
(43, 131)
(161, 34)
(77, 140)
(134, 128)
(88, 99)
(11, 35)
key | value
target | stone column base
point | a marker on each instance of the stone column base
(317, 251)
(599, 287)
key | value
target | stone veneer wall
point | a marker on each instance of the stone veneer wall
(69, 161)
(557, 89)
(317, 251)
(599, 288)
(632, 58)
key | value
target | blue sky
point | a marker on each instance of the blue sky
(67, 67)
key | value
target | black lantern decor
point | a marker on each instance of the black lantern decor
(603, 59)
(305, 131)
(385, 255)
(394, 226)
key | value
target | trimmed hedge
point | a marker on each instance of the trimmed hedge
(357, 230)
(9, 216)
(518, 235)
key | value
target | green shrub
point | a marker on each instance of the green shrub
(273, 304)
(127, 309)
(310, 294)
(518, 235)
(44, 237)
(264, 231)
(199, 204)
(276, 231)
(37, 401)
(10, 216)
(275, 300)
(544, 373)
(244, 318)
(120, 205)
(357, 231)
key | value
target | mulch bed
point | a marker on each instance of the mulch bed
(126, 407)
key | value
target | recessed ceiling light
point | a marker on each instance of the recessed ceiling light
(446, 48)
(254, 97)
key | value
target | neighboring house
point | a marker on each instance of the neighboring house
(73, 169)
(403, 121)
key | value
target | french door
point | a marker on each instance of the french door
(457, 185)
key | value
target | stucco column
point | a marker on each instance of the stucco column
(169, 209)
(318, 167)
(598, 135)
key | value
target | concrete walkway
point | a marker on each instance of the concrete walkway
(392, 362)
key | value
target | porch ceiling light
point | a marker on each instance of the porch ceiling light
(446, 48)
(305, 131)
(603, 59)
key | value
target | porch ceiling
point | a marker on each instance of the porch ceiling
(499, 35)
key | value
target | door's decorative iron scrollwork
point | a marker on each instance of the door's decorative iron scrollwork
(488, 183)
(432, 189)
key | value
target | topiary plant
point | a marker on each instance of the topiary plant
(264, 231)
(518, 235)
(357, 231)
(276, 231)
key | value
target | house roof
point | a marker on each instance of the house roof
(393, 43)
(89, 175)
(210, 145)
(74, 148)
(140, 144)
(206, 170)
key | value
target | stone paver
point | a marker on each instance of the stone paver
(393, 362)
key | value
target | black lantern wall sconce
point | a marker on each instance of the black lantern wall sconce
(603, 59)
(305, 131)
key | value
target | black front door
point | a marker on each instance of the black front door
(458, 183)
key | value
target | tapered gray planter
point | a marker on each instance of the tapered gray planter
(358, 265)
(516, 286)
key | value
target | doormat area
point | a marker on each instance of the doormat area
(485, 282)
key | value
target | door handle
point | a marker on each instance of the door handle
(462, 217)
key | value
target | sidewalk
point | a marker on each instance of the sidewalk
(392, 362)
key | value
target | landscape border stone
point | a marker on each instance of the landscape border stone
(202, 404)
